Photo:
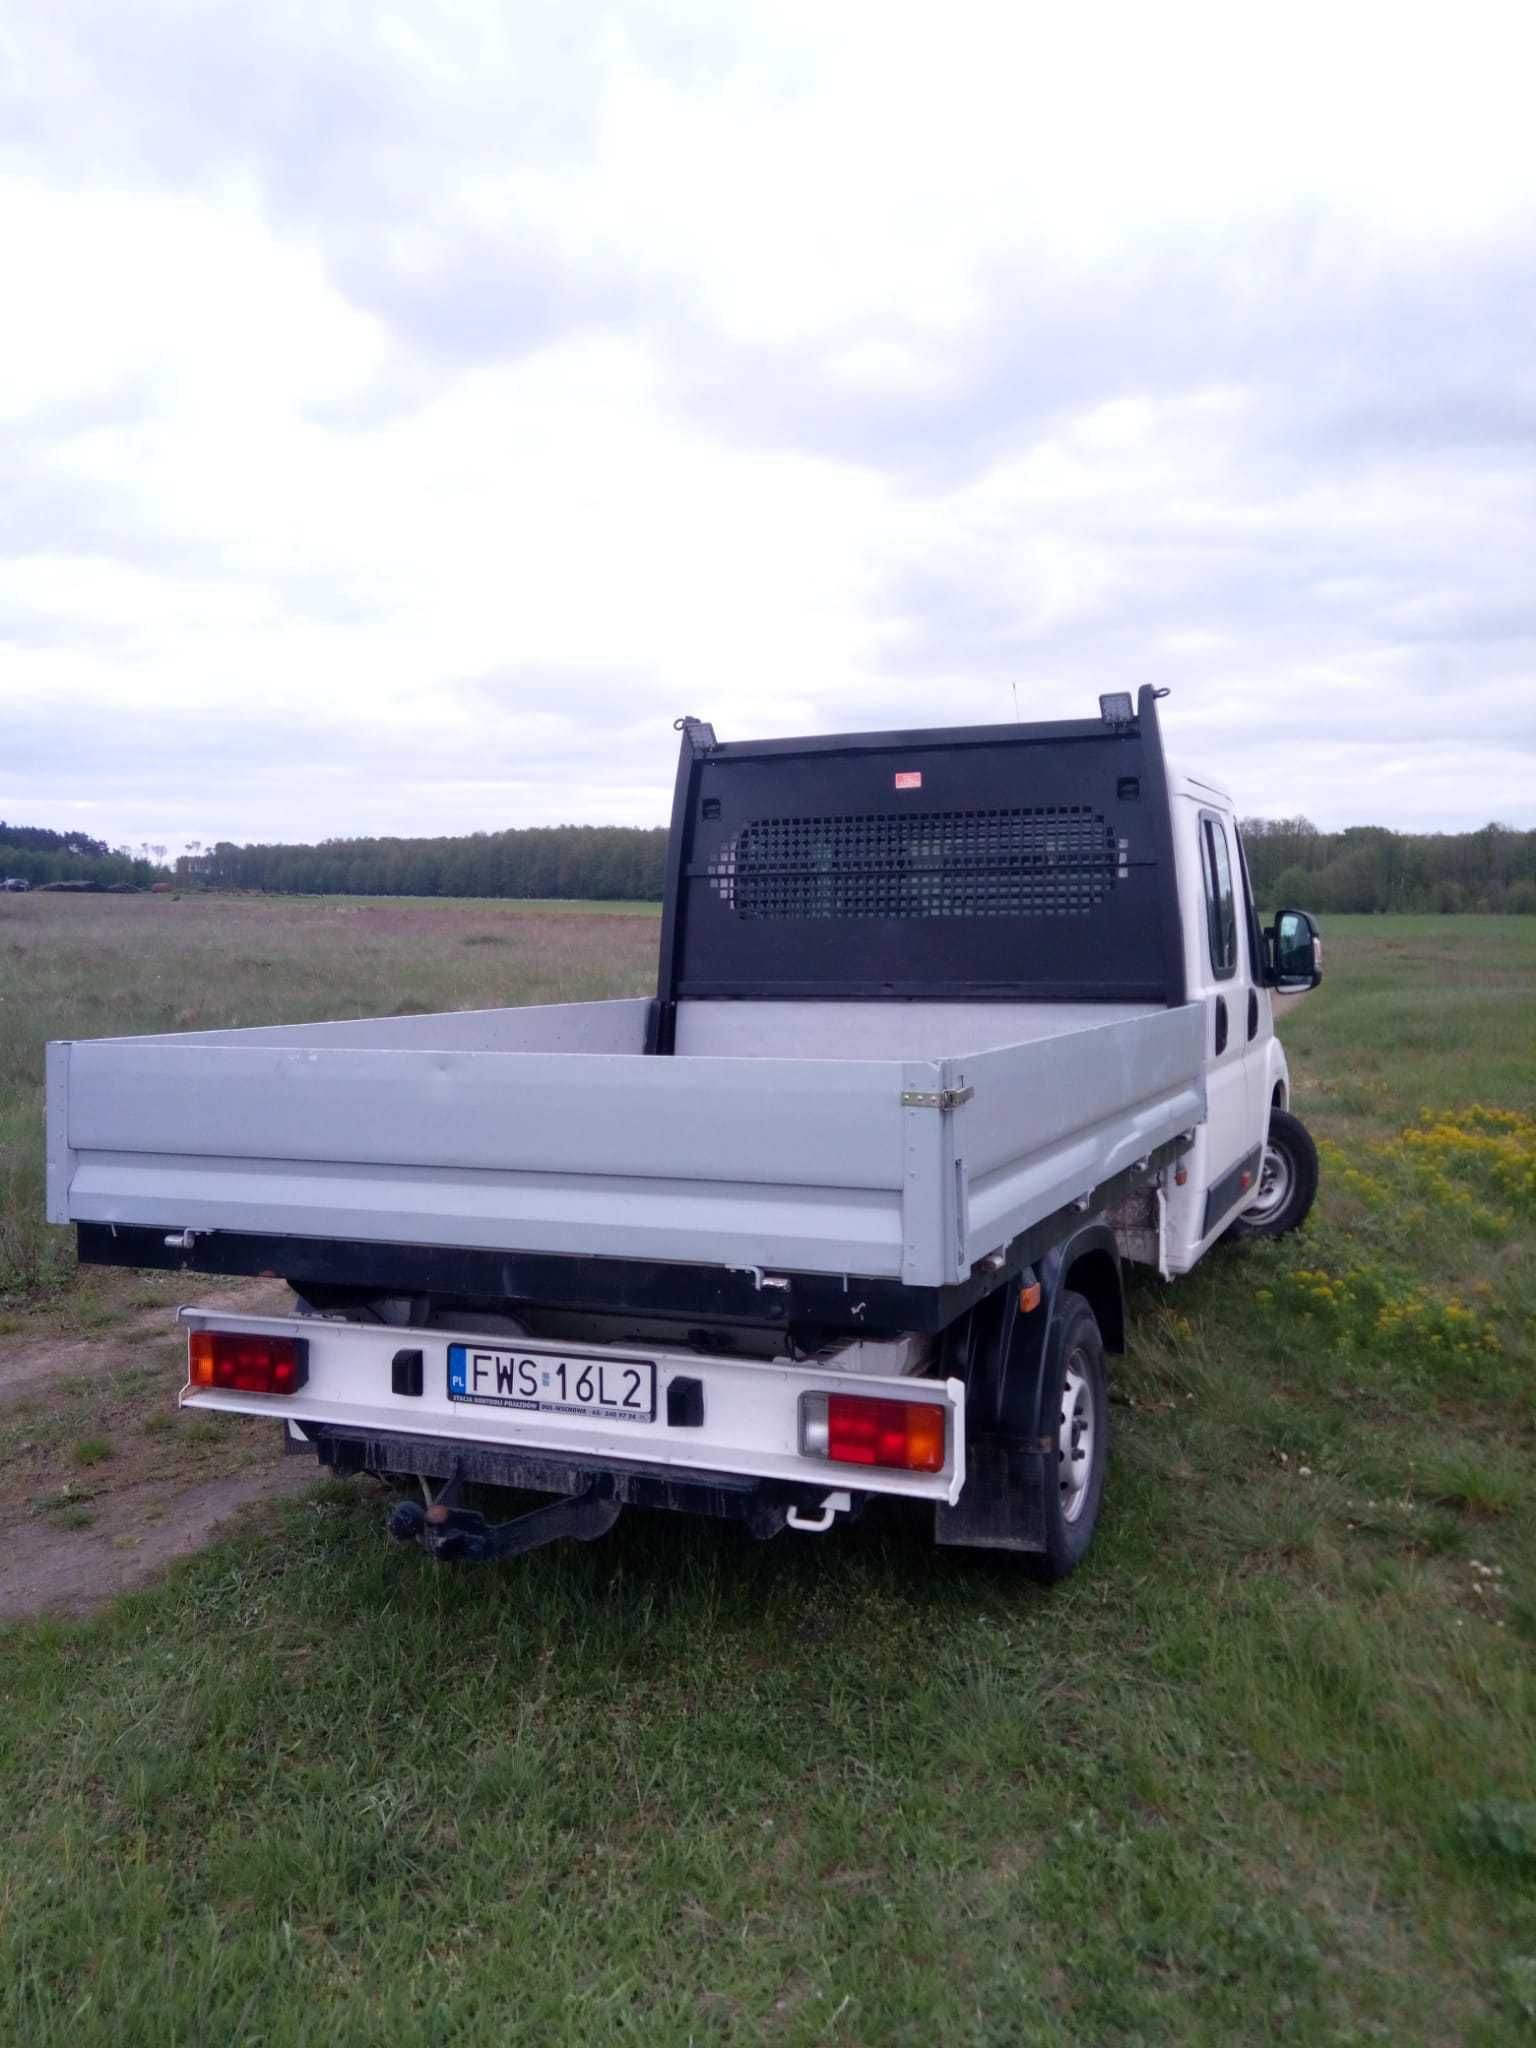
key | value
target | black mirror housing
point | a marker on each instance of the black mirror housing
(1295, 953)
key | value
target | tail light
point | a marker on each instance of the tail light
(857, 1429)
(244, 1364)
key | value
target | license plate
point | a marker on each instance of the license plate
(617, 1389)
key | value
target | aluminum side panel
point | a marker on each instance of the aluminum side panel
(1052, 1120)
(1033, 1096)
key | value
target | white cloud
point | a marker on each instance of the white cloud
(462, 393)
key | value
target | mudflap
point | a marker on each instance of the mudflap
(1002, 1504)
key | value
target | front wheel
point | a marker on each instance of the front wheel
(1076, 1412)
(1287, 1180)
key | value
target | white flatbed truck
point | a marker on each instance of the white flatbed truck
(948, 1023)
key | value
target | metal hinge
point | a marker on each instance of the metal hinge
(935, 1098)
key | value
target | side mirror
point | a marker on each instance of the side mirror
(1295, 953)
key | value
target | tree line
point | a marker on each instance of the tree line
(1363, 868)
(610, 863)
(33, 854)
(1367, 867)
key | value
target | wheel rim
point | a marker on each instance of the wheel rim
(1075, 1438)
(1274, 1184)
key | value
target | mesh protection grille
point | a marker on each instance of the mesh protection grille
(1052, 860)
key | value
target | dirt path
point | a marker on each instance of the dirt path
(103, 1481)
(28, 1360)
(139, 1531)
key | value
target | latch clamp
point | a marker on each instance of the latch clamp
(935, 1098)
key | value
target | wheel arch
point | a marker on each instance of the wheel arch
(1277, 1078)
(1086, 1263)
(1091, 1268)
(1003, 1349)
(1002, 1346)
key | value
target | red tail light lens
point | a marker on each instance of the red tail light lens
(857, 1429)
(244, 1364)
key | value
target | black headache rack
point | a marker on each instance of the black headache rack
(1019, 863)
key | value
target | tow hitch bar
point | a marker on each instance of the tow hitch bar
(445, 1530)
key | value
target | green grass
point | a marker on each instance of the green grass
(1264, 1770)
(1417, 1011)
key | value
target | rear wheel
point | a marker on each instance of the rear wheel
(1287, 1180)
(1075, 1410)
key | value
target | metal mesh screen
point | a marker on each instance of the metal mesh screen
(1051, 860)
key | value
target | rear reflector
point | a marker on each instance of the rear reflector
(245, 1364)
(857, 1429)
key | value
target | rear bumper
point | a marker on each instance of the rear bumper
(747, 1427)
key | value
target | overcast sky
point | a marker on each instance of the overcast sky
(408, 412)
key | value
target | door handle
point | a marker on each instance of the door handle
(1253, 1013)
(1221, 1024)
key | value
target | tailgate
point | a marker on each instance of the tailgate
(784, 1163)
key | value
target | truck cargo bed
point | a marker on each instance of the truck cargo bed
(904, 1141)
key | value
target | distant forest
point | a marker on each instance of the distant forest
(33, 854)
(1366, 867)
(1363, 868)
(612, 863)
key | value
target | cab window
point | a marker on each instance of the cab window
(1248, 915)
(1220, 901)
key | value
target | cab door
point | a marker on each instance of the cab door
(1223, 976)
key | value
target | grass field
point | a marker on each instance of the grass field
(1265, 1770)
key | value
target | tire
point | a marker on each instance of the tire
(1287, 1180)
(1076, 1400)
